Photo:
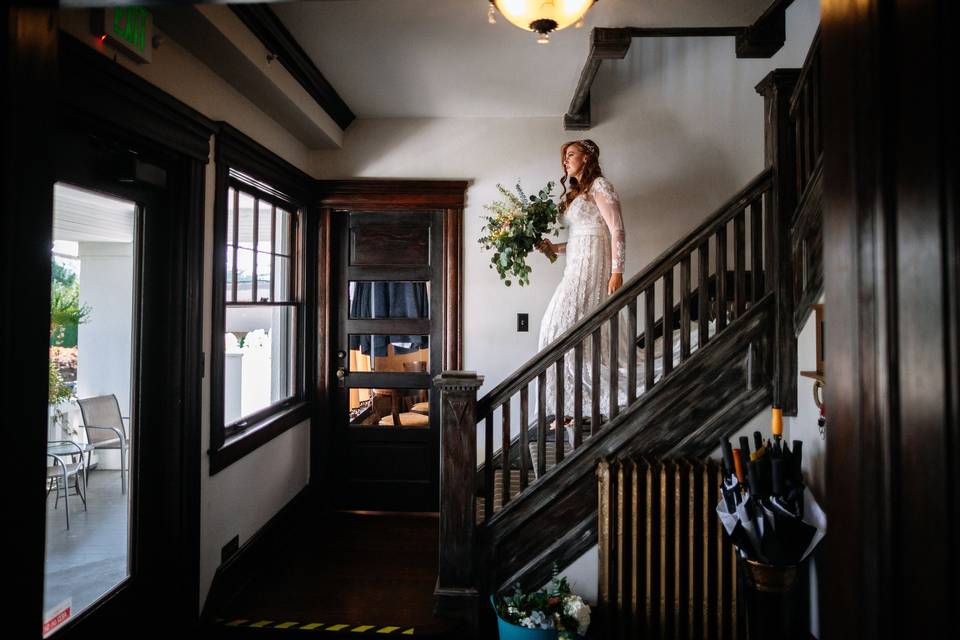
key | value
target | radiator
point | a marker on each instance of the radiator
(666, 570)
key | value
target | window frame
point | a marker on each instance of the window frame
(247, 167)
(237, 182)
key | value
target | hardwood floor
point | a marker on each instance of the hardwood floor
(350, 572)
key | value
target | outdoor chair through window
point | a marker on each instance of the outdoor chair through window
(60, 469)
(105, 429)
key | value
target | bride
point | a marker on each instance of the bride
(594, 262)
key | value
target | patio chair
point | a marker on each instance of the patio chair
(60, 469)
(105, 428)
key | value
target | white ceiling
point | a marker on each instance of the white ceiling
(84, 216)
(440, 58)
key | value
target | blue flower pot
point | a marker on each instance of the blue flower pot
(510, 631)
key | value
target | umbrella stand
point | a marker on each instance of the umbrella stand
(774, 599)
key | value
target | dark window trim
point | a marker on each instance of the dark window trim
(271, 179)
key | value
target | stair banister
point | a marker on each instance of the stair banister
(780, 156)
(456, 591)
(527, 372)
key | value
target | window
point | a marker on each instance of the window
(260, 347)
(261, 371)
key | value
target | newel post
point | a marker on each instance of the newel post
(780, 153)
(456, 592)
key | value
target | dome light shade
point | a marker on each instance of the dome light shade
(543, 16)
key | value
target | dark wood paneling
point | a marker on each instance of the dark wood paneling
(265, 24)
(374, 195)
(29, 66)
(241, 152)
(766, 35)
(807, 250)
(890, 265)
(87, 77)
(402, 244)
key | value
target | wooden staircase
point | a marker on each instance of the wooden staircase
(722, 297)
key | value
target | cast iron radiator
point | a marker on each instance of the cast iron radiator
(666, 570)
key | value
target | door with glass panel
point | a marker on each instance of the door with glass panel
(120, 383)
(92, 430)
(388, 305)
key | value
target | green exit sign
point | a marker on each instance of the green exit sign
(130, 29)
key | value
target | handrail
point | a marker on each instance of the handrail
(805, 117)
(527, 372)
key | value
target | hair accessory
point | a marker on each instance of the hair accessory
(590, 146)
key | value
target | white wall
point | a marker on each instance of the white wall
(242, 498)
(103, 341)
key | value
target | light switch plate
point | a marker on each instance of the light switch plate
(523, 322)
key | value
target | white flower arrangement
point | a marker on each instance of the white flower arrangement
(549, 608)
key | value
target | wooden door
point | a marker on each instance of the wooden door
(388, 306)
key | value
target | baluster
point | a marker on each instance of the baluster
(614, 366)
(703, 294)
(684, 308)
(756, 249)
(541, 424)
(578, 394)
(595, 383)
(798, 141)
(559, 435)
(505, 451)
(649, 339)
(524, 435)
(815, 113)
(488, 467)
(632, 353)
(769, 243)
(739, 257)
(667, 344)
(721, 270)
(807, 135)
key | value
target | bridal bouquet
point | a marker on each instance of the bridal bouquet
(553, 608)
(515, 227)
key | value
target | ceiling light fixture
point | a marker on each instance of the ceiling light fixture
(541, 16)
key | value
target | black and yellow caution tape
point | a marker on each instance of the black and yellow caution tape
(318, 626)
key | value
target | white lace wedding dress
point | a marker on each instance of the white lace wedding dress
(595, 248)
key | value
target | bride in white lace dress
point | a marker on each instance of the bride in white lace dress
(595, 252)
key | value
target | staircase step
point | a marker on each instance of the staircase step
(498, 490)
(550, 449)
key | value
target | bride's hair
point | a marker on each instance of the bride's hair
(591, 171)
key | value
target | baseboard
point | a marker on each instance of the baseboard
(242, 566)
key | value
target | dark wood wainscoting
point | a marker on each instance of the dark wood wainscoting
(891, 277)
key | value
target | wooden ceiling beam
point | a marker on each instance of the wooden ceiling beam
(761, 39)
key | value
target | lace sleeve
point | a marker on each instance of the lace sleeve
(609, 204)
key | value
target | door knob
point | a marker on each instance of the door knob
(341, 373)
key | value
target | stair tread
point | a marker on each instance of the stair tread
(498, 490)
